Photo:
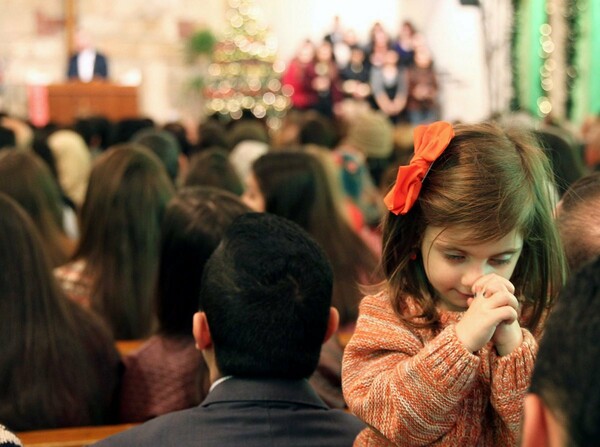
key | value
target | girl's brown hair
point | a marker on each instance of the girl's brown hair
(489, 181)
(120, 231)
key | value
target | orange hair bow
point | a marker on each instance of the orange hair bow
(430, 143)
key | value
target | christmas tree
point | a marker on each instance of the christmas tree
(244, 74)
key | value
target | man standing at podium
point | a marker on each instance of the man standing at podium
(87, 64)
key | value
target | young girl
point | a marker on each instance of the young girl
(472, 259)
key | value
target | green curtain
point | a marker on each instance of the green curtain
(530, 15)
(586, 88)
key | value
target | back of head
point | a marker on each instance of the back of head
(266, 292)
(164, 145)
(249, 140)
(120, 230)
(25, 278)
(95, 130)
(25, 178)
(567, 164)
(293, 185)
(319, 130)
(212, 133)
(7, 138)
(193, 226)
(296, 185)
(45, 363)
(566, 369)
(180, 132)
(212, 167)
(579, 221)
(371, 133)
(73, 162)
(248, 130)
(20, 130)
(489, 181)
(128, 188)
(28, 300)
(128, 127)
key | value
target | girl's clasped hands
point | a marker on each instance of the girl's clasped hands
(492, 315)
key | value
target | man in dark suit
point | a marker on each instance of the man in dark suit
(264, 313)
(87, 64)
(562, 407)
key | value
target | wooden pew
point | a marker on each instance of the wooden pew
(79, 436)
(69, 437)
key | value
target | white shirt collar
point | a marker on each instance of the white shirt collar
(218, 382)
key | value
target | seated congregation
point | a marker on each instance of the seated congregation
(271, 279)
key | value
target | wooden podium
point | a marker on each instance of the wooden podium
(72, 100)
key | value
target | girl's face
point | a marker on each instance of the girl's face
(452, 263)
(253, 196)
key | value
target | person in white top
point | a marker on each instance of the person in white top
(88, 63)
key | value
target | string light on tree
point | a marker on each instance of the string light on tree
(546, 70)
(244, 74)
(573, 11)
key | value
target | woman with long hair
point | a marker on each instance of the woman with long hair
(27, 179)
(58, 363)
(114, 267)
(295, 185)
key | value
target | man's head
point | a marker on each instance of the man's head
(164, 145)
(265, 301)
(563, 405)
(83, 40)
(578, 218)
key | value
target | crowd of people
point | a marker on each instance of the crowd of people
(346, 278)
(393, 74)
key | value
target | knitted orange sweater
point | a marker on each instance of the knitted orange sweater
(415, 387)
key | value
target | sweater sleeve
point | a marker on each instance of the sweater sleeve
(511, 376)
(406, 390)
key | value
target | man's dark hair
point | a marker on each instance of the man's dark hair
(195, 220)
(7, 138)
(266, 292)
(95, 130)
(566, 370)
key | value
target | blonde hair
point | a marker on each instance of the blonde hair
(73, 163)
(490, 181)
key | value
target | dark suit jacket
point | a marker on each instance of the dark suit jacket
(100, 66)
(249, 413)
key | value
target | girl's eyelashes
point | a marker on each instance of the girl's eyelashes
(454, 257)
(500, 261)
